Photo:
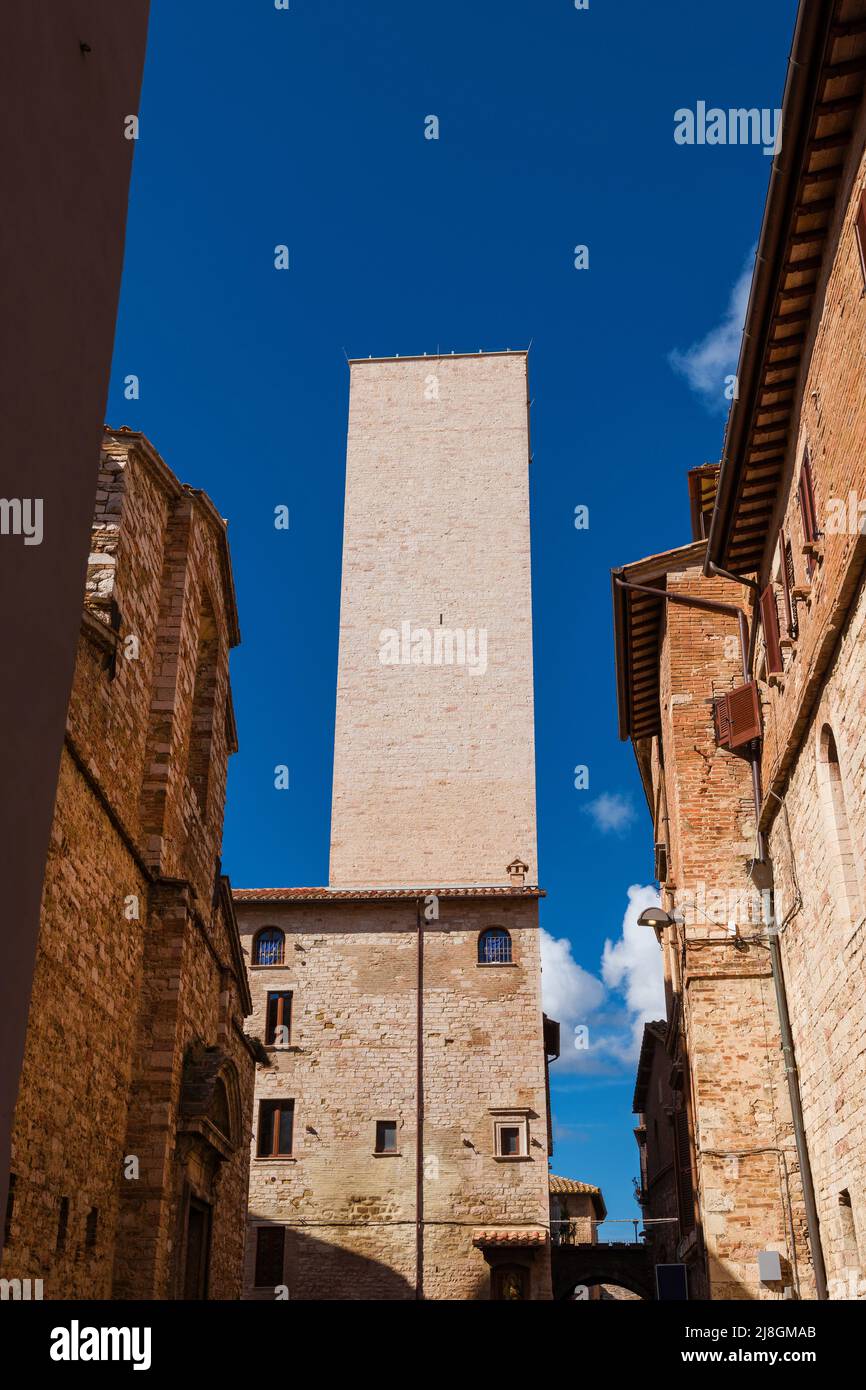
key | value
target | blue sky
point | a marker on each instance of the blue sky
(306, 128)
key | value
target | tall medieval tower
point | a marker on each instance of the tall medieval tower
(401, 1134)
(434, 758)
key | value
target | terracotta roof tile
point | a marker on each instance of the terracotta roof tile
(562, 1185)
(516, 1236)
(324, 895)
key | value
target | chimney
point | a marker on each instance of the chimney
(517, 872)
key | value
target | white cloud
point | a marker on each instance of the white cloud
(633, 964)
(712, 358)
(613, 1008)
(611, 812)
(569, 993)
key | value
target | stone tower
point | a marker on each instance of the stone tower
(401, 1132)
(434, 766)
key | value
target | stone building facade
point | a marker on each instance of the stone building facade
(779, 527)
(131, 1130)
(666, 1194)
(735, 1157)
(402, 1132)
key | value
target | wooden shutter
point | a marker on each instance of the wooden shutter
(770, 624)
(270, 1246)
(789, 580)
(860, 229)
(744, 711)
(722, 721)
(685, 1186)
(737, 716)
(808, 514)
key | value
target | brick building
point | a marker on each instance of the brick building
(666, 1196)
(131, 1130)
(402, 1134)
(753, 758)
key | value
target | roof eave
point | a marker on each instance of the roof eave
(804, 66)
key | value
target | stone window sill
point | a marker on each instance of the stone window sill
(496, 964)
(275, 1158)
(513, 1158)
(391, 1153)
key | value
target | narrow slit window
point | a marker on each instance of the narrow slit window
(62, 1224)
(91, 1229)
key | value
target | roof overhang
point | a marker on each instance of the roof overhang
(820, 106)
(637, 625)
(512, 1237)
(334, 895)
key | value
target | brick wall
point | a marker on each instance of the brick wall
(734, 1092)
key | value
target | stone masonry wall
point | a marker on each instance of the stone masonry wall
(748, 1182)
(434, 775)
(824, 957)
(352, 970)
(134, 970)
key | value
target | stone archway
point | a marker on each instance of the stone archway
(627, 1266)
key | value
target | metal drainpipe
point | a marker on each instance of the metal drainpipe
(785, 1034)
(787, 1040)
(419, 1111)
(749, 584)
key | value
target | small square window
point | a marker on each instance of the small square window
(511, 1136)
(386, 1136)
(509, 1141)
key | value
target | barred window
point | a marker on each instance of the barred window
(494, 947)
(269, 946)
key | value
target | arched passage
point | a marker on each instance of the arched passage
(626, 1266)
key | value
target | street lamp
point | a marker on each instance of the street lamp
(655, 917)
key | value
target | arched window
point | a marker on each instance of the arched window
(269, 946)
(843, 866)
(494, 947)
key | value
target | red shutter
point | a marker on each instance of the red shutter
(271, 1024)
(786, 556)
(744, 711)
(737, 716)
(770, 624)
(722, 721)
(808, 514)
